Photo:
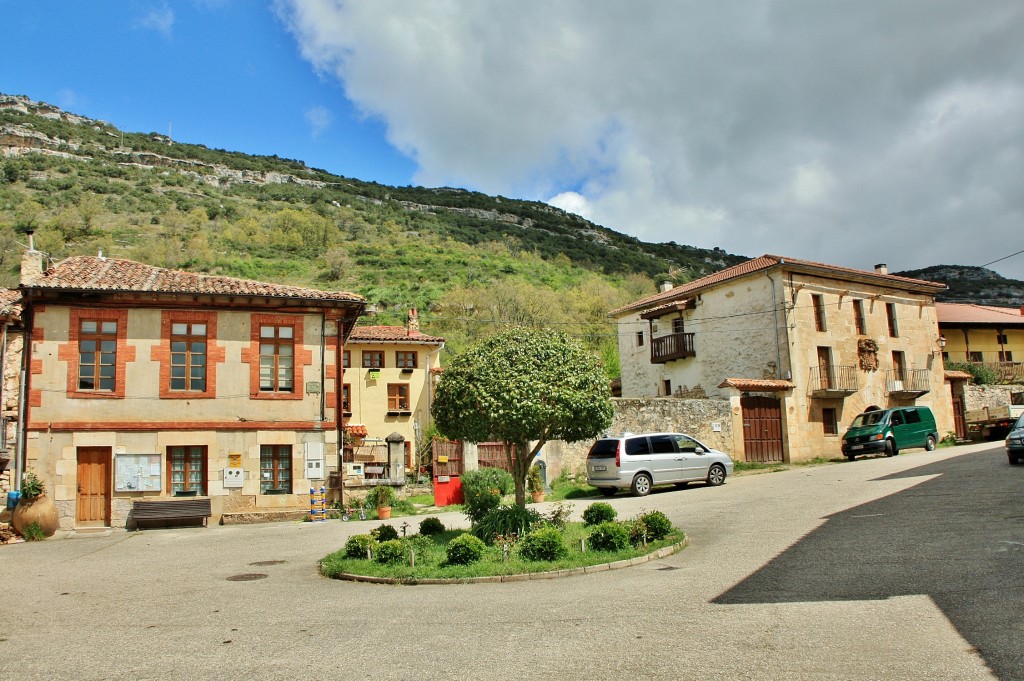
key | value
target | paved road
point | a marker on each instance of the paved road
(902, 568)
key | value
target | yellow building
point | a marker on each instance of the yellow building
(387, 388)
(149, 384)
(984, 334)
(798, 348)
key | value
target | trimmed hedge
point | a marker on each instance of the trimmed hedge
(599, 512)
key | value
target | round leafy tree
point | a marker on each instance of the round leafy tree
(523, 387)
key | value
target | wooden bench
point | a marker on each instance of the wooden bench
(169, 512)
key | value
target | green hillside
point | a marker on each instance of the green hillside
(466, 260)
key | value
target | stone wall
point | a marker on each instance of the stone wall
(9, 406)
(981, 396)
(698, 418)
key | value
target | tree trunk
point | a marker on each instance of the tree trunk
(520, 466)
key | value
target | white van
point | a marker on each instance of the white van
(639, 462)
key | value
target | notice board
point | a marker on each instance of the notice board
(137, 473)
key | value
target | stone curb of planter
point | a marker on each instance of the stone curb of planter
(526, 576)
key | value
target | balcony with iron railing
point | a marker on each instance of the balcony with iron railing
(833, 381)
(670, 347)
(907, 383)
(1004, 372)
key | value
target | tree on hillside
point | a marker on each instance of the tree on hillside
(519, 387)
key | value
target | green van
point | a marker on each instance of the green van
(890, 430)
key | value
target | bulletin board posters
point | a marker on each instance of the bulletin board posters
(137, 473)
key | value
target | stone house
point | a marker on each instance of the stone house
(388, 385)
(798, 349)
(984, 334)
(11, 342)
(148, 382)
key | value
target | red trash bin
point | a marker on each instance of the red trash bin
(447, 490)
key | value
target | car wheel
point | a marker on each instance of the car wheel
(607, 491)
(890, 448)
(851, 457)
(716, 475)
(641, 485)
(929, 444)
(1013, 459)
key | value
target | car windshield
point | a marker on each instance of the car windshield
(868, 418)
(1020, 423)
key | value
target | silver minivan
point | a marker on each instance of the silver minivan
(639, 462)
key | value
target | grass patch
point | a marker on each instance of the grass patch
(431, 555)
(742, 466)
(565, 487)
(421, 499)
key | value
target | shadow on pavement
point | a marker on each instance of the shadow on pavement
(958, 538)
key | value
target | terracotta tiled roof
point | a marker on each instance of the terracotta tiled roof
(392, 334)
(769, 261)
(969, 313)
(957, 375)
(356, 430)
(10, 303)
(757, 384)
(86, 273)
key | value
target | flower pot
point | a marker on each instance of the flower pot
(383, 512)
(40, 509)
(537, 497)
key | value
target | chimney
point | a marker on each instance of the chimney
(665, 286)
(31, 263)
(881, 268)
(412, 325)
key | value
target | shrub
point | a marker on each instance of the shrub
(381, 496)
(465, 549)
(506, 520)
(597, 513)
(609, 536)
(392, 551)
(357, 545)
(546, 543)
(482, 491)
(431, 526)
(384, 533)
(981, 374)
(559, 515)
(658, 525)
(34, 532)
(638, 532)
(31, 485)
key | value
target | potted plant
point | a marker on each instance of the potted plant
(382, 497)
(534, 484)
(34, 506)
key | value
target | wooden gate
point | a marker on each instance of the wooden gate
(762, 429)
(94, 483)
(958, 418)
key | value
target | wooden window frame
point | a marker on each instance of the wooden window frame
(975, 356)
(678, 325)
(1006, 355)
(890, 316)
(368, 356)
(280, 457)
(407, 359)
(395, 395)
(100, 337)
(346, 399)
(186, 451)
(346, 359)
(818, 302)
(1001, 339)
(278, 341)
(859, 320)
(829, 422)
(162, 353)
(191, 338)
(69, 353)
(251, 356)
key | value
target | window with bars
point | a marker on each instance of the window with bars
(819, 312)
(188, 357)
(405, 360)
(398, 397)
(275, 469)
(829, 423)
(97, 355)
(373, 359)
(186, 470)
(277, 359)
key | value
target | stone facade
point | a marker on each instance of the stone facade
(710, 421)
(981, 396)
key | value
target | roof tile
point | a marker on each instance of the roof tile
(391, 333)
(969, 313)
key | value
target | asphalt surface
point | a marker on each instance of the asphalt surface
(901, 568)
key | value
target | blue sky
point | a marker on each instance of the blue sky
(847, 133)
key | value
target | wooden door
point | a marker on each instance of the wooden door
(762, 429)
(94, 484)
(825, 368)
(958, 418)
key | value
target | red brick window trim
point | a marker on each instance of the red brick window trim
(98, 345)
(292, 339)
(198, 327)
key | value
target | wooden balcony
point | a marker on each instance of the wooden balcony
(833, 381)
(907, 384)
(670, 347)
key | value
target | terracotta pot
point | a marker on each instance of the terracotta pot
(537, 497)
(383, 512)
(40, 510)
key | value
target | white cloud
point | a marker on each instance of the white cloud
(159, 19)
(319, 119)
(829, 131)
